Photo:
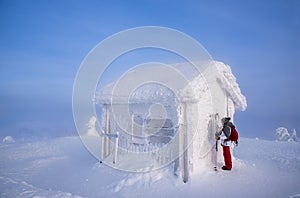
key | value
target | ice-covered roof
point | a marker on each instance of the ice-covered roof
(147, 93)
(153, 92)
(228, 82)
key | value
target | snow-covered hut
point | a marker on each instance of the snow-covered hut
(153, 126)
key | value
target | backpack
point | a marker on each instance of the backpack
(234, 136)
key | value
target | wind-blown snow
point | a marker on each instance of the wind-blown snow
(62, 167)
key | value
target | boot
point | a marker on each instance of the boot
(225, 168)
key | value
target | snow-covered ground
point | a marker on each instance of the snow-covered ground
(62, 167)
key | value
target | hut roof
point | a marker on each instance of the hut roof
(157, 93)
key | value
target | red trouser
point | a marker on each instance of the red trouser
(227, 156)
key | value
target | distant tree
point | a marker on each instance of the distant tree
(282, 134)
(294, 136)
(8, 139)
(92, 127)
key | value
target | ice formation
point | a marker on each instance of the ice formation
(191, 111)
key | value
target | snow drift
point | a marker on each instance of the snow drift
(62, 167)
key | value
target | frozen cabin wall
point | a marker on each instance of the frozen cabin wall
(215, 92)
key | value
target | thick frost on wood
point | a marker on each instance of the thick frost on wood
(190, 112)
(229, 84)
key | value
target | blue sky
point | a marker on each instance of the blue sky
(44, 42)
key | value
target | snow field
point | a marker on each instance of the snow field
(62, 167)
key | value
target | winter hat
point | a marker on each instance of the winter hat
(225, 119)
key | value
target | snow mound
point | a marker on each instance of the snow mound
(8, 139)
(24, 189)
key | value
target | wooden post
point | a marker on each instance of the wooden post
(132, 127)
(116, 148)
(102, 136)
(107, 141)
(185, 144)
(183, 158)
(102, 146)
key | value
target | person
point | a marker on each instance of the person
(224, 135)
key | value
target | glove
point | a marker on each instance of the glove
(236, 143)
